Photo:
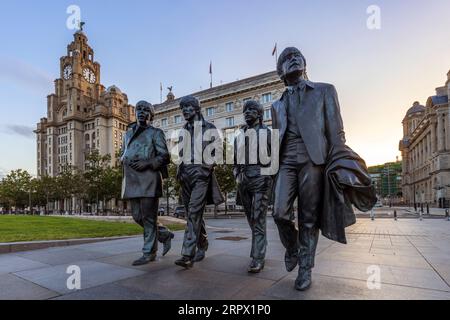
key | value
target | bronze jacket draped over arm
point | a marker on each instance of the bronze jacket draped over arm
(347, 183)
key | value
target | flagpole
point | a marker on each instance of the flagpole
(160, 92)
(210, 72)
(276, 55)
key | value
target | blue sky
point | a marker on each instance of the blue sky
(378, 73)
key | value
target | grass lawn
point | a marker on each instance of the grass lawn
(31, 228)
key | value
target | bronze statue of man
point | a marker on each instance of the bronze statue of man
(253, 188)
(199, 186)
(309, 122)
(145, 158)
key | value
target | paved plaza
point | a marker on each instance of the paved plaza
(413, 258)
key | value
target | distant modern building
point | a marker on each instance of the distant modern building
(425, 150)
(81, 115)
(388, 181)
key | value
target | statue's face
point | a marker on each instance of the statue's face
(251, 115)
(293, 65)
(143, 114)
(189, 112)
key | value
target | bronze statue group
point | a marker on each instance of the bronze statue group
(315, 167)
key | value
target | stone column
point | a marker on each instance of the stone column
(440, 134)
(433, 137)
(447, 131)
(429, 146)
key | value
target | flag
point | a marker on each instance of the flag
(160, 86)
(210, 67)
(274, 50)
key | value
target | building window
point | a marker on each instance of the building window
(177, 119)
(210, 111)
(230, 122)
(230, 107)
(267, 114)
(164, 122)
(266, 98)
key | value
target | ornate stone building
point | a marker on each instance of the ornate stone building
(81, 114)
(425, 149)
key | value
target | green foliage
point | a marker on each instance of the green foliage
(15, 189)
(31, 228)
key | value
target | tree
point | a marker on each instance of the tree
(225, 178)
(16, 189)
(95, 174)
(171, 186)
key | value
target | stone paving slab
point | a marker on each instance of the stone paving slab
(11, 263)
(193, 284)
(15, 288)
(412, 277)
(336, 288)
(92, 274)
(58, 256)
(110, 291)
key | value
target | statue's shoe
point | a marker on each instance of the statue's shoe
(168, 244)
(303, 281)
(291, 261)
(256, 266)
(199, 255)
(185, 262)
(144, 260)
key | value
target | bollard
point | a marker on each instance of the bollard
(395, 215)
(420, 216)
(421, 208)
(428, 208)
(415, 207)
(446, 215)
(372, 215)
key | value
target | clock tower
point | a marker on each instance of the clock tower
(82, 115)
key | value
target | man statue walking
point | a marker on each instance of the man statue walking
(253, 188)
(199, 186)
(145, 158)
(310, 124)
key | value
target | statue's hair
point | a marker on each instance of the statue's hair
(147, 104)
(259, 107)
(283, 57)
(190, 101)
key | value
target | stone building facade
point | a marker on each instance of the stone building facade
(425, 149)
(81, 114)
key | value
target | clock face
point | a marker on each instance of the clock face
(92, 77)
(67, 73)
(89, 75)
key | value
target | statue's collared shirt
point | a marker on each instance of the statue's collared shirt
(293, 149)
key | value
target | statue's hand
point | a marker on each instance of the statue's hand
(141, 165)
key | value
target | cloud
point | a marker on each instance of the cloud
(17, 129)
(3, 173)
(24, 74)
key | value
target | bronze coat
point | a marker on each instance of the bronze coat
(318, 117)
(148, 145)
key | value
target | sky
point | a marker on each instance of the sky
(378, 73)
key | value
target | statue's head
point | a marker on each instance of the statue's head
(253, 112)
(190, 107)
(291, 64)
(144, 112)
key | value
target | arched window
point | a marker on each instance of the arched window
(86, 137)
